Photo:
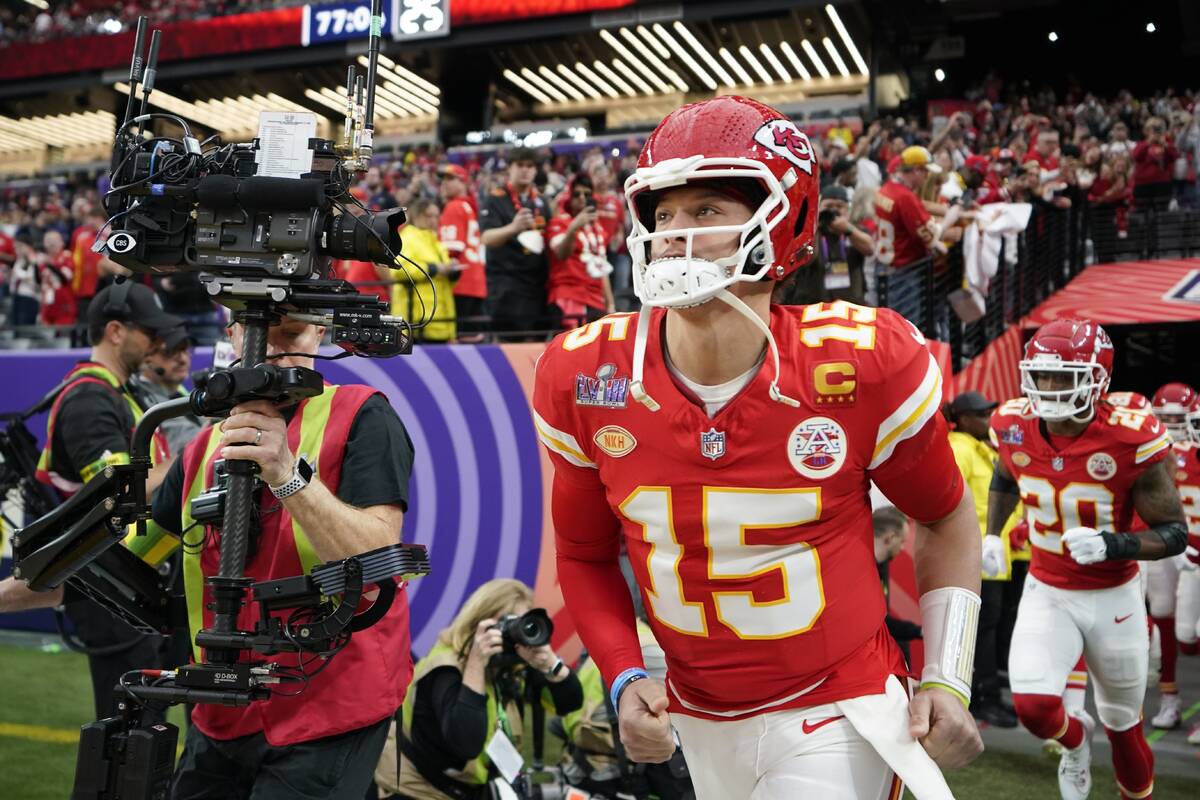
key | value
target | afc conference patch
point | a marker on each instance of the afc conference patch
(817, 448)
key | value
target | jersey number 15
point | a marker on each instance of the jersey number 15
(728, 515)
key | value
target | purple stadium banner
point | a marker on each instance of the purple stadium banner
(479, 487)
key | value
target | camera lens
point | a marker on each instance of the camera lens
(363, 238)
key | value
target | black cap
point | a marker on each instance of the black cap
(175, 339)
(522, 154)
(842, 165)
(836, 192)
(971, 403)
(126, 301)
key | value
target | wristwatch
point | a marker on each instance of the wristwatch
(559, 666)
(302, 473)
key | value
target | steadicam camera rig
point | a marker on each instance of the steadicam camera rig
(263, 246)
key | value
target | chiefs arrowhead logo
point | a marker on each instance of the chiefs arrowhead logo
(782, 137)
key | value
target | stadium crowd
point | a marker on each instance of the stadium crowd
(68, 18)
(895, 191)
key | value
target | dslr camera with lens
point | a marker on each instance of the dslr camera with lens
(531, 629)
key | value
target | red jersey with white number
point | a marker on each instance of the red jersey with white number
(1134, 400)
(749, 532)
(1084, 481)
(458, 229)
(899, 215)
(1186, 470)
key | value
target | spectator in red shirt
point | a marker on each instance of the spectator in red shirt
(578, 285)
(55, 271)
(1153, 158)
(85, 262)
(610, 209)
(1046, 153)
(905, 233)
(458, 230)
(367, 277)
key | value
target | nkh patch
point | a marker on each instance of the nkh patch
(615, 440)
(605, 390)
(782, 137)
(712, 443)
(817, 448)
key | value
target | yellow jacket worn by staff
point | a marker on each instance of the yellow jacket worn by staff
(410, 782)
(366, 681)
(91, 372)
(977, 462)
(424, 247)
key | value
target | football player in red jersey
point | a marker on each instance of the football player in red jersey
(1187, 481)
(730, 443)
(1082, 466)
(1170, 405)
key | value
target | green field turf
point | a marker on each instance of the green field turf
(51, 690)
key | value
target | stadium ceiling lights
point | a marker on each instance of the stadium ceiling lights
(795, 61)
(684, 55)
(851, 48)
(811, 52)
(630, 58)
(78, 129)
(663, 58)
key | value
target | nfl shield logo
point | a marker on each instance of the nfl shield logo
(712, 444)
(1057, 463)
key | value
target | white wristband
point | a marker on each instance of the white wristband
(949, 618)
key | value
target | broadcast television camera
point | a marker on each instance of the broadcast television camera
(177, 204)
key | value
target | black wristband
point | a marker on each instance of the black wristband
(1003, 484)
(1120, 545)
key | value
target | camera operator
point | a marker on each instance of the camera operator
(334, 474)
(88, 429)
(468, 693)
(161, 378)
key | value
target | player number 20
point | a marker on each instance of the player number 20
(729, 514)
(1062, 510)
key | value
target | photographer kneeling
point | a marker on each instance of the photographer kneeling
(469, 691)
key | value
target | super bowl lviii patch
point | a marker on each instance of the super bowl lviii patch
(605, 390)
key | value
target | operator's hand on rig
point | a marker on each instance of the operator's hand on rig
(256, 431)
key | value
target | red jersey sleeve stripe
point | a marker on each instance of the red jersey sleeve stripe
(908, 420)
(561, 443)
(1152, 448)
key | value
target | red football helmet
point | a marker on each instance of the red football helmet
(1193, 419)
(1171, 404)
(1075, 358)
(748, 150)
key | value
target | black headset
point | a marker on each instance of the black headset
(118, 296)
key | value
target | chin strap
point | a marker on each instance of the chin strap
(636, 386)
(736, 302)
